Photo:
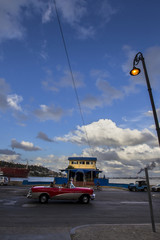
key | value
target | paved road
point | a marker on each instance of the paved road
(112, 206)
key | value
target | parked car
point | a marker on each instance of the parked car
(156, 188)
(138, 186)
(3, 180)
(44, 193)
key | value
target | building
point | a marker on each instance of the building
(82, 169)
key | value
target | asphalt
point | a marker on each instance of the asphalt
(116, 232)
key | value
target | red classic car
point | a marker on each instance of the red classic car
(43, 193)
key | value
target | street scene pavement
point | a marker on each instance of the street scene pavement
(114, 214)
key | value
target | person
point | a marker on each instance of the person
(69, 184)
(64, 185)
(52, 184)
(98, 185)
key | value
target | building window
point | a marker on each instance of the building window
(74, 162)
(87, 162)
(82, 162)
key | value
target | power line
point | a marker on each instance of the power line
(71, 72)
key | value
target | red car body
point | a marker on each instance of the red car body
(43, 193)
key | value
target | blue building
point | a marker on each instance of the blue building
(82, 169)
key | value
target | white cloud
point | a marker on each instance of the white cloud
(125, 161)
(14, 100)
(47, 15)
(107, 133)
(45, 113)
(27, 146)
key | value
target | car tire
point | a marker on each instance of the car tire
(133, 189)
(84, 199)
(43, 198)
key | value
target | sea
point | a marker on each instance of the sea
(152, 181)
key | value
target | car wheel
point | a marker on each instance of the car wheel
(43, 198)
(85, 199)
(158, 189)
(133, 189)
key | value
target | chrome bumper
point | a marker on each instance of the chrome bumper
(93, 196)
(29, 195)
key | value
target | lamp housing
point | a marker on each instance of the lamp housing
(135, 71)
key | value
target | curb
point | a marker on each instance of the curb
(73, 230)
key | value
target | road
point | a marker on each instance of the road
(23, 216)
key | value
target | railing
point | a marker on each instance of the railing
(83, 184)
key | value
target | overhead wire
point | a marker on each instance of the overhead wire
(72, 76)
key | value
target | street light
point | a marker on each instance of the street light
(135, 71)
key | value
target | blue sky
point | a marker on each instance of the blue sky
(39, 114)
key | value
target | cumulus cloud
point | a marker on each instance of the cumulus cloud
(44, 137)
(107, 133)
(27, 146)
(45, 113)
(124, 161)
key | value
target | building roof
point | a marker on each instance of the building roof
(83, 158)
(81, 170)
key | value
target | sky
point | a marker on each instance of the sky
(52, 109)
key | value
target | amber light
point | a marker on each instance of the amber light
(135, 71)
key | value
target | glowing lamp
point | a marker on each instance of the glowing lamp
(135, 71)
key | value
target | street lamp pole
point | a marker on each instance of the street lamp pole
(135, 71)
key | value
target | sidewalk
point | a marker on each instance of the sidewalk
(116, 232)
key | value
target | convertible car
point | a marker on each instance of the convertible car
(44, 193)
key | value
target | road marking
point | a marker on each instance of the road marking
(29, 205)
(10, 203)
(129, 202)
